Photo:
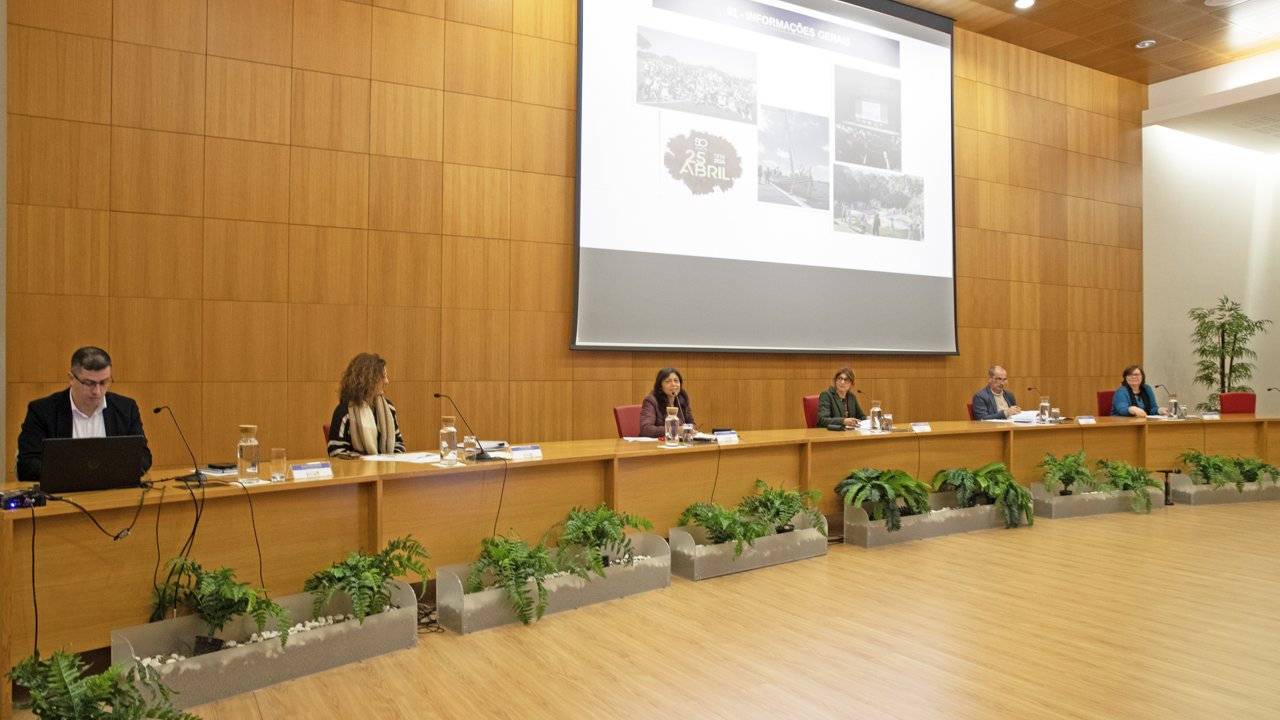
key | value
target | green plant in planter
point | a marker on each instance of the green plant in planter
(1123, 476)
(598, 537)
(1253, 469)
(216, 598)
(1216, 470)
(776, 506)
(1071, 469)
(367, 579)
(963, 482)
(892, 494)
(1011, 498)
(1221, 338)
(510, 564)
(726, 524)
(59, 690)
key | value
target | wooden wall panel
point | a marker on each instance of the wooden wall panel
(157, 172)
(60, 163)
(59, 75)
(157, 89)
(78, 17)
(332, 36)
(257, 30)
(406, 121)
(156, 256)
(330, 111)
(246, 180)
(57, 250)
(296, 181)
(173, 24)
(248, 100)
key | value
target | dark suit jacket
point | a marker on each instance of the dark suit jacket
(50, 417)
(984, 404)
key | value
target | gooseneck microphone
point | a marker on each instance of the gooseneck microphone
(1165, 388)
(195, 476)
(1033, 389)
(1270, 389)
(482, 455)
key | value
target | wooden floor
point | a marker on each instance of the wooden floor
(1174, 615)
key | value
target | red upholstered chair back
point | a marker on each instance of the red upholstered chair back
(326, 434)
(970, 406)
(1238, 402)
(627, 418)
(1104, 402)
(810, 410)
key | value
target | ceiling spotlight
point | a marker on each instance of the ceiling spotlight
(1144, 44)
(1023, 4)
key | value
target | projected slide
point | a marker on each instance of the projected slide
(764, 175)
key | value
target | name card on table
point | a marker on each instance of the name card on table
(921, 427)
(1210, 416)
(1086, 420)
(526, 452)
(726, 437)
(320, 470)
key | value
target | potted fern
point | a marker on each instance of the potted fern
(596, 537)
(777, 507)
(990, 484)
(1125, 477)
(890, 495)
(911, 512)
(712, 540)
(518, 569)
(58, 689)
(216, 598)
(1065, 472)
(368, 580)
(1207, 477)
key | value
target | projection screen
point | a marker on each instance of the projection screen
(758, 175)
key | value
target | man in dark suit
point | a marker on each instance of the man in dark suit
(87, 410)
(994, 402)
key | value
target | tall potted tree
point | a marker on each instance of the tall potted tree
(1221, 339)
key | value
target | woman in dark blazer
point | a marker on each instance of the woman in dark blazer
(838, 404)
(668, 391)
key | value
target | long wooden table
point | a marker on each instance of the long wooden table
(88, 584)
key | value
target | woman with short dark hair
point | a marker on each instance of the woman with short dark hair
(838, 404)
(1134, 397)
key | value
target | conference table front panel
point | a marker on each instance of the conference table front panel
(88, 585)
(659, 484)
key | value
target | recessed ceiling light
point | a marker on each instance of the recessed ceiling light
(1144, 44)
(1023, 4)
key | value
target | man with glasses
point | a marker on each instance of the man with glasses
(88, 410)
(994, 402)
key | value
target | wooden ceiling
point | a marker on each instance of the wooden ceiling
(1101, 34)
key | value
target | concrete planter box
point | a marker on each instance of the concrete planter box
(1187, 493)
(860, 529)
(694, 558)
(231, 671)
(464, 612)
(1081, 504)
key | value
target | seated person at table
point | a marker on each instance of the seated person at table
(364, 423)
(1134, 397)
(87, 411)
(994, 402)
(668, 391)
(838, 404)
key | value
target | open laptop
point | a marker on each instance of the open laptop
(75, 465)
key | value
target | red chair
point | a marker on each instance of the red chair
(811, 411)
(326, 434)
(627, 418)
(1104, 402)
(970, 406)
(1238, 402)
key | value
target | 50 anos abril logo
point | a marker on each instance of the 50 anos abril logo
(703, 162)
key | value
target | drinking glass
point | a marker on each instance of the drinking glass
(279, 465)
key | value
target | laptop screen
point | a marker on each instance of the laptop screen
(75, 465)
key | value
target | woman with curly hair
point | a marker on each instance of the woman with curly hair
(364, 423)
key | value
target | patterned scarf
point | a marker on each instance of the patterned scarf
(377, 440)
